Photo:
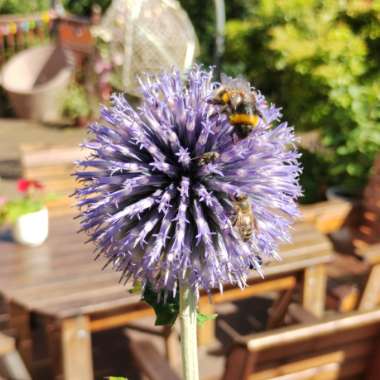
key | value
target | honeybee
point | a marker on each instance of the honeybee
(208, 157)
(239, 102)
(244, 219)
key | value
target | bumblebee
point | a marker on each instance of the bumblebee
(244, 220)
(207, 158)
(239, 102)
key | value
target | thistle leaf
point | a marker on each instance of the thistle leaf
(166, 312)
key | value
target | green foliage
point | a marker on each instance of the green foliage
(83, 7)
(319, 61)
(314, 181)
(12, 210)
(166, 313)
(76, 102)
(23, 6)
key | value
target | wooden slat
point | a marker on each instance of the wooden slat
(359, 339)
(279, 284)
(315, 368)
(298, 334)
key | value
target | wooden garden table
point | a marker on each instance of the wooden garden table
(62, 286)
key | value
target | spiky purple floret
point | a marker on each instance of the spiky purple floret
(162, 219)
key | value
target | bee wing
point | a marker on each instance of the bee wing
(242, 84)
(225, 79)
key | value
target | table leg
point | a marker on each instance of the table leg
(314, 289)
(371, 294)
(172, 346)
(76, 349)
(70, 349)
(19, 320)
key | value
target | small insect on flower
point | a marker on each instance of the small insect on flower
(244, 219)
(239, 102)
(208, 157)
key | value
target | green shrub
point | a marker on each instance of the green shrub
(23, 6)
(83, 7)
(319, 60)
(76, 102)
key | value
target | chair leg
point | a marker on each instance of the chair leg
(371, 294)
(13, 368)
(279, 308)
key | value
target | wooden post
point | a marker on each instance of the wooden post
(172, 347)
(20, 322)
(239, 364)
(371, 294)
(314, 289)
(374, 367)
(76, 349)
(11, 364)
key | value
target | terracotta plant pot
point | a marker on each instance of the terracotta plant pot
(32, 229)
(35, 80)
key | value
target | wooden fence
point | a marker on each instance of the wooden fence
(20, 32)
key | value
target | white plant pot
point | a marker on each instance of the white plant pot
(32, 229)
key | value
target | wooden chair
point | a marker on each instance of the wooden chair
(340, 347)
(11, 364)
(327, 216)
(53, 165)
(362, 239)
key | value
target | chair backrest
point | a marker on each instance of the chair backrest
(53, 166)
(345, 347)
(369, 223)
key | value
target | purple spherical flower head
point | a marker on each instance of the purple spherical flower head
(162, 218)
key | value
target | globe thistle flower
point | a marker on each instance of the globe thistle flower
(164, 216)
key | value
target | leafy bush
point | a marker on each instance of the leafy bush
(319, 60)
(83, 7)
(23, 6)
(76, 102)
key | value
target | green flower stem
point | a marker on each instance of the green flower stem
(188, 318)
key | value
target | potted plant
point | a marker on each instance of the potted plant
(28, 215)
(76, 105)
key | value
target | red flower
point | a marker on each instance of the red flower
(23, 185)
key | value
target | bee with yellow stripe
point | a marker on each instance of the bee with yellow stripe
(239, 102)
